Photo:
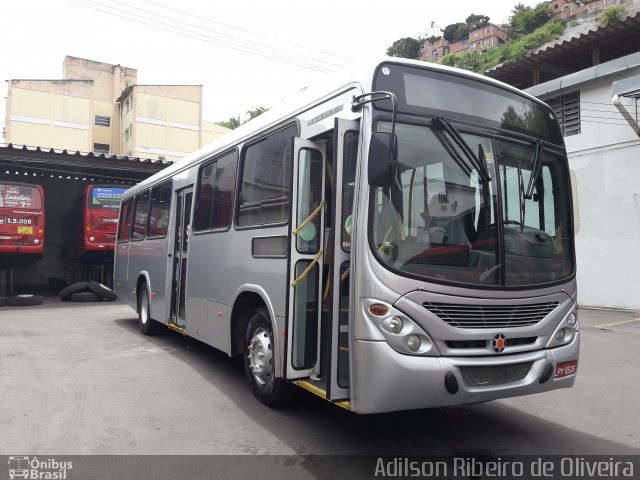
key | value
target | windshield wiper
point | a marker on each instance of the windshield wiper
(464, 146)
(535, 172)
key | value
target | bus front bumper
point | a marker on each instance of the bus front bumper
(384, 380)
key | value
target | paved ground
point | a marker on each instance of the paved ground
(81, 379)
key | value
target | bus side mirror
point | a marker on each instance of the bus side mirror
(383, 159)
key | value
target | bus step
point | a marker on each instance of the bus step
(176, 328)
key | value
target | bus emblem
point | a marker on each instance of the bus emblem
(498, 343)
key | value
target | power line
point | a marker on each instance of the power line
(248, 31)
(179, 22)
(212, 40)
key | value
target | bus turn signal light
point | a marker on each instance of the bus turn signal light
(378, 309)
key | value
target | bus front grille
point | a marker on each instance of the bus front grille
(491, 316)
(484, 376)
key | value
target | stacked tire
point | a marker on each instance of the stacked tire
(87, 292)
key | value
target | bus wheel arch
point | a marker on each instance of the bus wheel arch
(243, 308)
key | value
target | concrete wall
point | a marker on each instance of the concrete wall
(606, 159)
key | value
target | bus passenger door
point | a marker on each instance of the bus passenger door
(180, 256)
(306, 251)
(345, 143)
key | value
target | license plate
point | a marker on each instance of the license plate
(25, 230)
(565, 369)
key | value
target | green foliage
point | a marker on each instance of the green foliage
(456, 32)
(478, 61)
(405, 48)
(476, 21)
(232, 123)
(525, 20)
(255, 112)
(235, 122)
(611, 15)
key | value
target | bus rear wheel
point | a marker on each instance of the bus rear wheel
(259, 361)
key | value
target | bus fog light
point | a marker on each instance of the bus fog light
(91, 239)
(560, 335)
(572, 320)
(413, 342)
(36, 241)
(395, 324)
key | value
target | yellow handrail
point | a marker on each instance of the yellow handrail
(307, 270)
(311, 217)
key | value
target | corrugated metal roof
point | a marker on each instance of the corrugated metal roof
(38, 159)
(586, 33)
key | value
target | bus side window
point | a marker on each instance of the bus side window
(216, 187)
(124, 225)
(140, 216)
(159, 213)
(265, 193)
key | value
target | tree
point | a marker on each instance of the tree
(235, 122)
(476, 21)
(255, 112)
(456, 32)
(525, 20)
(232, 123)
(405, 48)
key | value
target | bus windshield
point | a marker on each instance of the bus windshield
(439, 220)
(101, 217)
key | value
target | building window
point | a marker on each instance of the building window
(101, 148)
(567, 111)
(103, 121)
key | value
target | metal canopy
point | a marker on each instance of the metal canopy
(35, 161)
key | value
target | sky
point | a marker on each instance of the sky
(245, 53)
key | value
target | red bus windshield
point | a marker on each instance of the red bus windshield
(101, 217)
(21, 218)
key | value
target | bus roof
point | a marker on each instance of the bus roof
(361, 74)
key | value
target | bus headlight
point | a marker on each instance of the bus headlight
(399, 330)
(36, 241)
(413, 342)
(395, 325)
(572, 320)
(560, 335)
(91, 239)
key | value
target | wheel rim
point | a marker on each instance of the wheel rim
(260, 357)
(144, 308)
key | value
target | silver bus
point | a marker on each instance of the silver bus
(401, 239)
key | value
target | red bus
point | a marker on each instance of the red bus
(21, 218)
(100, 206)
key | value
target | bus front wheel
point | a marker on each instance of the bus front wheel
(259, 361)
(147, 325)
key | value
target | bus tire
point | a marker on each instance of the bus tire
(66, 292)
(102, 290)
(25, 300)
(85, 297)
(147, 325)
(259, 362)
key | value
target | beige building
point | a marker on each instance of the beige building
(98, 107)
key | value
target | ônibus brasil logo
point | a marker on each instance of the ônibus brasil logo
(36, 469)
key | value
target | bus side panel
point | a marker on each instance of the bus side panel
(141, 257)
(121, 285)
(156, 261)
(220, 265)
